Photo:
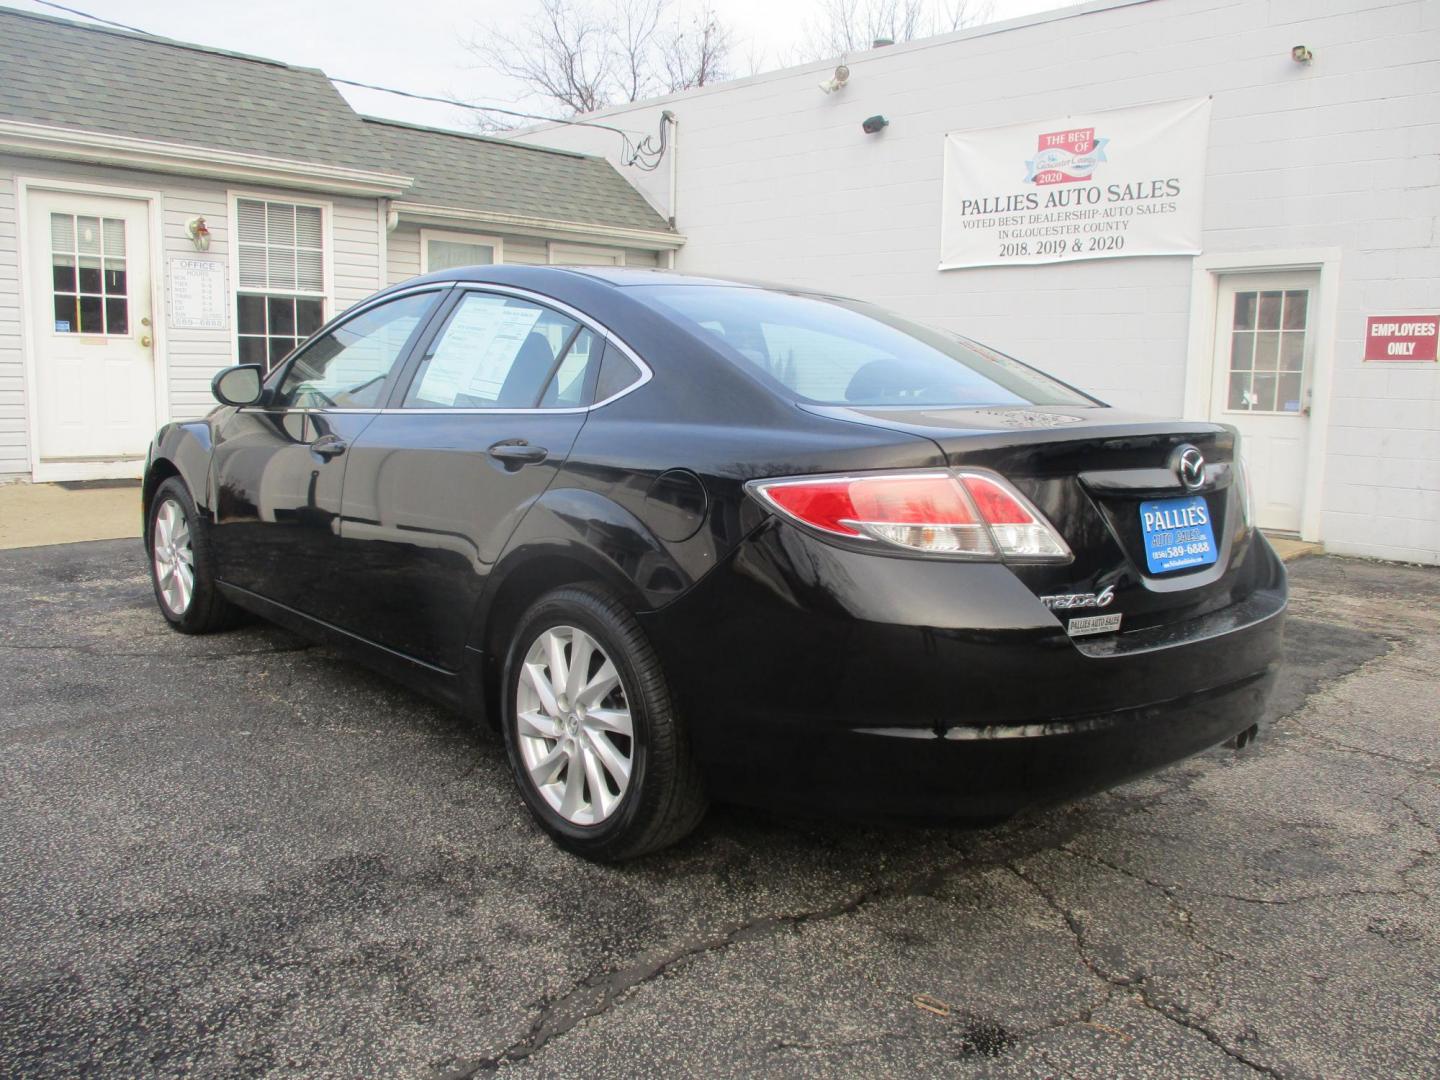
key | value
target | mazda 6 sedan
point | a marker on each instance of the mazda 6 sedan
(684, 539)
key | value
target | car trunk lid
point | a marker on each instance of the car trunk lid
(1095, 473)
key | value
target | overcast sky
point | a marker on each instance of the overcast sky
(421, 45)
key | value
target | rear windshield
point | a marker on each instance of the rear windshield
(842, 352)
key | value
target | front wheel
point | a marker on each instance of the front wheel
(182, 568)
(602, 761)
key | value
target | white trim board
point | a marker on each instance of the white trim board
(1200, 349)
(98, 148)
(42, 472)
(453, 217)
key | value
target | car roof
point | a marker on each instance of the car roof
(619, 277)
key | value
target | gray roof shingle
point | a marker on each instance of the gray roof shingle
(70, 75)
(474, 172)
(97, 79)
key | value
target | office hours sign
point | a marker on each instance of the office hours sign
(1096, 186)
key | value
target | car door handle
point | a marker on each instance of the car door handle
(518, 453)
(329, 446)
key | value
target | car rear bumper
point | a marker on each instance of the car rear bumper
(991, 773)
(820, 680)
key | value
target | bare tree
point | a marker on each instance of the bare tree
(845, 26)
(564, 53)
(635, 40)
(586, 54)
(952, 15)
(696, 54)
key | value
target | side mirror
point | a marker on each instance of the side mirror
(239, 385)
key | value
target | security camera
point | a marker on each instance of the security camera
(872, 124)
(836, 81)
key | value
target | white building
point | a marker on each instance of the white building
(1321, 176)
(167, 210)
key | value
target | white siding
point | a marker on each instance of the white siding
(402, 253)
(530, 250)
(356, 253)
(14, 444)
(191, 357)
(777, 179)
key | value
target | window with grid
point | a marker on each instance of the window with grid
(87, 262)
(1267, 351)
(281, 283)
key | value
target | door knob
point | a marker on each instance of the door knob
(144, 341)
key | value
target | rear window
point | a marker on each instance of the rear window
(842, 352)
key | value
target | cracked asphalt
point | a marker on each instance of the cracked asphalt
(237, 855)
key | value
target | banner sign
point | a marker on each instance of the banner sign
(1100, 186)
(1401, 338)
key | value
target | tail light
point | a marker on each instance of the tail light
(962, 514)
(1242, 478)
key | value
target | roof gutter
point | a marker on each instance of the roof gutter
(41, 140)
(629, 236)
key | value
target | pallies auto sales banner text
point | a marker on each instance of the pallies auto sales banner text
(1097, 186)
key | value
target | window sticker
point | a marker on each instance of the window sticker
(476, 350)
(62, 326)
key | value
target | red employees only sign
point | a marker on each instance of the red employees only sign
(1401, 337)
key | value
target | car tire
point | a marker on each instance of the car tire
(182, 563)
(553, 747)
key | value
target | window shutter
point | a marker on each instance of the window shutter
(280, 224)
(62, 233)
(250, 237)
(307, 227)
(114, 230)
(281, 246)
(309, 271)
(309, 243)
(250, 221)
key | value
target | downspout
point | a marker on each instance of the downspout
(668, 116)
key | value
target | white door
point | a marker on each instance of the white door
(1263, 360)
(87, 283)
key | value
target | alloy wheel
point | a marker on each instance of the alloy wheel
(174, 557)
(573, 726)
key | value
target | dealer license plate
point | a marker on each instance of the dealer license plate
(1178, 533)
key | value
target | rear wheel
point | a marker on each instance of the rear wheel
(182, 565)
(601, 759)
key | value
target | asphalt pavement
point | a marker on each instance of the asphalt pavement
(242, 856)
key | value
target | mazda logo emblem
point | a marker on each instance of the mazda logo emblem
(1190, 467)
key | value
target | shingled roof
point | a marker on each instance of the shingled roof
(110, 81)
(474, 172)
(96, 79)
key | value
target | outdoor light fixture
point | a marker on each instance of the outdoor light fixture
(836, 81)
(199, 233)
(873, 124)
(1301, 54)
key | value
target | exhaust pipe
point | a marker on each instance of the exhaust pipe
(1244, 738)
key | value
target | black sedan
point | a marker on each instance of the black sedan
(685, 539)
